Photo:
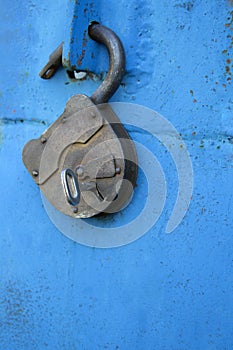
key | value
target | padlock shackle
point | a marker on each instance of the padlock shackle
(116, 69)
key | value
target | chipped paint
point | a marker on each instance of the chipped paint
(228, 52)
(79, 16)
(188, 5)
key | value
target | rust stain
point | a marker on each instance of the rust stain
(229, 26)
(80, 59)
(84, 44)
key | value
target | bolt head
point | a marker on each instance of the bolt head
(118, 170)
(43, 139)
(35, 173)
(79, 170)
(75, 210)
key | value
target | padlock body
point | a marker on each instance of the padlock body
(85, 163)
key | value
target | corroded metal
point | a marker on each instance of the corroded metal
(89, 145)
(116, 69)
(55, 60)
(110, 84)
(85, 163)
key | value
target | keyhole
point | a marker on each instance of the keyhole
(70, 185)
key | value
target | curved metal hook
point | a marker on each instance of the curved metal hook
(116, 69)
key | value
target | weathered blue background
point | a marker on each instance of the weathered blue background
(163, 292)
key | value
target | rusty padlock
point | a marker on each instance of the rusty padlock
(85, 163)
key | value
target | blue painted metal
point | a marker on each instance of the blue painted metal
(79, 51)
(163, 291)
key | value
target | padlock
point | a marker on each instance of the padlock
(85, 163)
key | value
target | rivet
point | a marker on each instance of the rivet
(118, 170)
(35, 173)
(43, 139)
(79, 170)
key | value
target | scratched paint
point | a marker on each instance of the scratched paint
(163, 291)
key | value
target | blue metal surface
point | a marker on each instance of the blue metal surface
(163, 291)
(79, 51)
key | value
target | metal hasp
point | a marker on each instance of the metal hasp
(55, 61)
(85, 163)
(116, 69)
(80, 52)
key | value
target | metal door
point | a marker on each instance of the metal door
(163, 291)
